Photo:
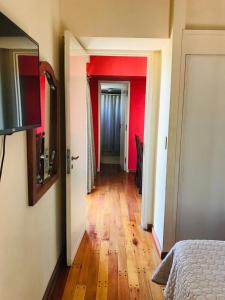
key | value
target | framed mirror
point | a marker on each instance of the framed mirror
(43, 142)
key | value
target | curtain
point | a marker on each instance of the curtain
(91, 164)
(110, 123)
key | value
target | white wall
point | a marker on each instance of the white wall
(205, 14)
(127, 18)
(150, 137)
(161, 156)
(30, 237)
(179, 13)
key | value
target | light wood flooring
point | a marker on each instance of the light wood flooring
(116, 257)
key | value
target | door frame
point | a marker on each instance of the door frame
(141, 47)
(152, 101)
(128, 121)
(194, 42)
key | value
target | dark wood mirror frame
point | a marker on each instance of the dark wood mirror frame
(37, 190)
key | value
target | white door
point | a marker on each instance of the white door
(124, 127)
(76, 142)
(201, 205)
(122, 130)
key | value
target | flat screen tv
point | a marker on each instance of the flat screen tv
(19, 79)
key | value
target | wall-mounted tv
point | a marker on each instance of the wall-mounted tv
(19, 79)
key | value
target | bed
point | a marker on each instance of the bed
(193, 269)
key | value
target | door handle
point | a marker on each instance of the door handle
(74, 157)
(69, 158)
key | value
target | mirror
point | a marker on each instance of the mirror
(43, 132)
(43, 142)
(19, 79)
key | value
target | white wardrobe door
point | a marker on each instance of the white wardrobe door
(201, 196)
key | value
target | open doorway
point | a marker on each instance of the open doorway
(114, 204)
(76, 58)
(114, 100)
(118, 96)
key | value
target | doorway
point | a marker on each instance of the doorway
(114, 103)
(74, 52)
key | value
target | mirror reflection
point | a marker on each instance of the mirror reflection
(19, 77)
(45, 156)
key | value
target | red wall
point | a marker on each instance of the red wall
(117, 66)
(105, 68)
(137, 113)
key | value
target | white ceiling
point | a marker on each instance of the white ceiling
(141, 45)
(115, 18)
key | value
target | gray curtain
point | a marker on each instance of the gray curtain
(110, 123)
(91, 164)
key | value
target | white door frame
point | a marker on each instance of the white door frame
(99, 121)
(199, 42)
(142, 47)
(150, 129)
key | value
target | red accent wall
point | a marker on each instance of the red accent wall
(117, 66)
(137, 114)
(116, 69)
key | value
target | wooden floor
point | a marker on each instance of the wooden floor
(116, 257)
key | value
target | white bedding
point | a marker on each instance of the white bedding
(193, 269)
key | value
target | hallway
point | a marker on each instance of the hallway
(116, 257)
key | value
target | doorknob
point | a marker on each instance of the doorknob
(74, 158)
(69, 166)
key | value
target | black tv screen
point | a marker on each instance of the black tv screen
(19, 79)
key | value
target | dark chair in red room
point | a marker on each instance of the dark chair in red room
(139, 164)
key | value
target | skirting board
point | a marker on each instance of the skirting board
(57, 282)
(157, 244)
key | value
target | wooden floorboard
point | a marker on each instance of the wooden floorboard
(116, 257)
